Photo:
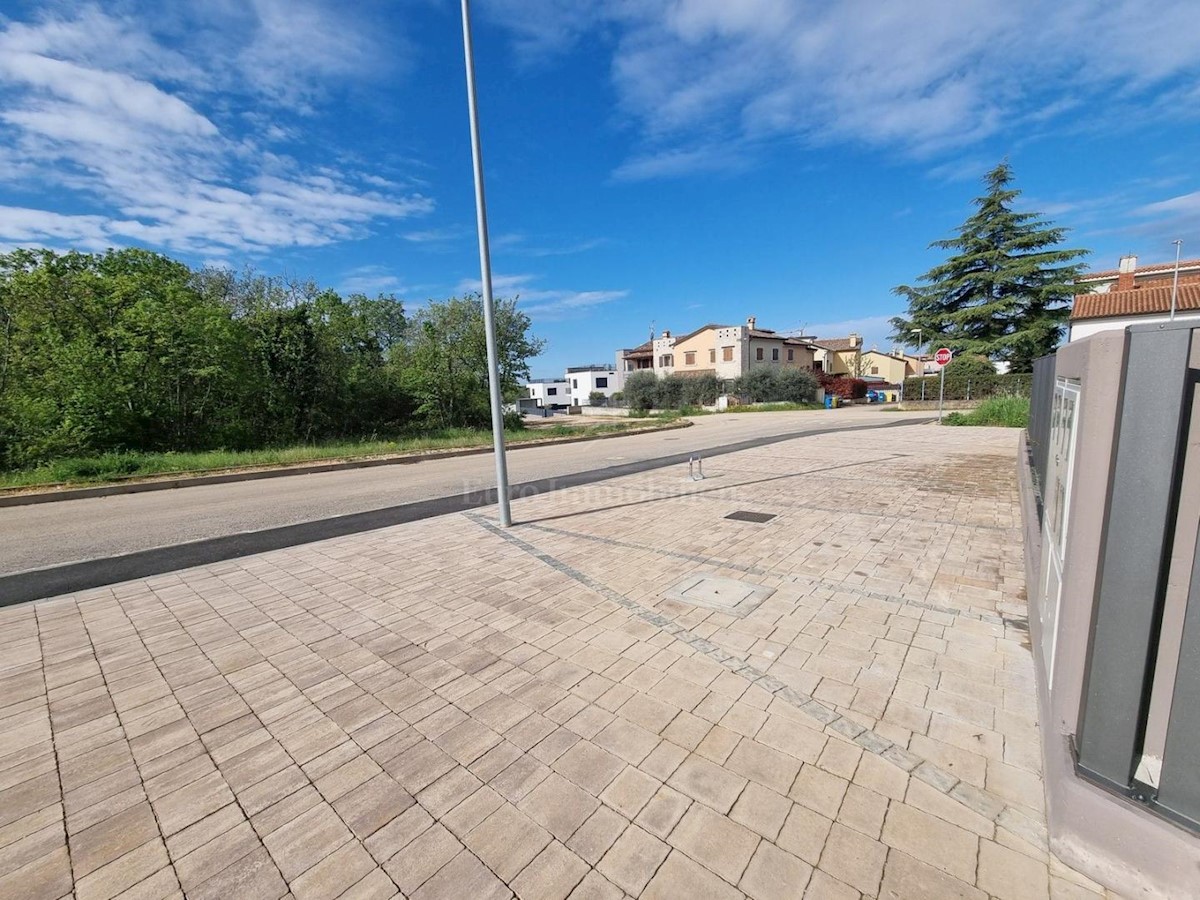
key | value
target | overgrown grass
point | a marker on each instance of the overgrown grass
(117, 466)
(1002, 412)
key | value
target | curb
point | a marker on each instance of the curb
(54, 495)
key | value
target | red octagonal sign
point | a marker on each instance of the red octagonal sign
(943, 356)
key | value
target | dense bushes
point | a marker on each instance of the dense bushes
(130, 350)
(844, 386)
(1002, 412)
(645, 390)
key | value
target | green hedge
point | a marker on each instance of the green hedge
(979, 387)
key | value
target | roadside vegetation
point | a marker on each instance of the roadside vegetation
(688, 393)
(130, 355)
(1000, 412)
(119, 466)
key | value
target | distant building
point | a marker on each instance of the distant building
(726, 351)
(891, 368)
(549, 393)
(837, 356)
(1133, 295)
(587, 380)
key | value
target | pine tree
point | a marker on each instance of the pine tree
(1006, 291)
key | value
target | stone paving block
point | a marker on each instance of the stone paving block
(680, 876)
(707, 782)
(124, 872)
(664, 810)
(372, 805)
(112, 838)
(853, 859)
(930, 840)
(594, 838)
(558, 806)
(589, 766)
(553, 875)
(464, 876)
(718, 843)
(632, 861)
(254, 875)
(1010, 875)
(630, 791)
(421, 858)
(774, 873)
(302, 842)
(337, 873)
(506, 841)
(398, 833)
(596, 887)
(47, 876)
(905, 877)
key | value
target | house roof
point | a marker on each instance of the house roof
(837, 343)
(1142, 270)
(1143, 301)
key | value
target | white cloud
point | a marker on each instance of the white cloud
(540, 303)
(96, 105)
(875, 330)
(371, 280)
(708, 82)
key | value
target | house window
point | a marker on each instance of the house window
(818, 365)
(791, 355)
(727, 354)
(574, 382)
(601, 382)
(775, 354)
(712, 356)
(689, 358)
(758, 354)
(550, 392)
(874, 370)
(533, 392)
(666, 360)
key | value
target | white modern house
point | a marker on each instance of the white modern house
(586, 380)
(549, 392)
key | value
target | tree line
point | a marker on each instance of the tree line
(133, 350)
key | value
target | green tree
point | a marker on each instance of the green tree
(1005, 291)
(444, 360)
(641, 390)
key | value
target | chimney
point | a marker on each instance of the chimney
(666, 334)
(1125, 273)
(750, 322)
(855, 340)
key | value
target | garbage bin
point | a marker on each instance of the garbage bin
(829, 401)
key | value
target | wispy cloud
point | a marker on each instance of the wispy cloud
(523, 245)
(875, 330)
(544, 304)
(708, 83)
(131, 129)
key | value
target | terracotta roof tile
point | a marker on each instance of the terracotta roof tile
(1143, 301)
(1142, 270)
(837, 343)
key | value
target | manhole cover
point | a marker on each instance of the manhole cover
(731, 595)
(743, 515)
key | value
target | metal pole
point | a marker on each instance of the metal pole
(485, 271)
(941, 394)
(1175, 280)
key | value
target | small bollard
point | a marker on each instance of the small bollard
(695, 467)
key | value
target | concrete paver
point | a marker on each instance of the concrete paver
(448, 709)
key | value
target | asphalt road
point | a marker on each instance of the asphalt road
(207, 522)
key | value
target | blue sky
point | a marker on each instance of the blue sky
(648, 161)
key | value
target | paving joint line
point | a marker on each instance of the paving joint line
(977, 800)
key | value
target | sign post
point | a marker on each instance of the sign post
(942, 358)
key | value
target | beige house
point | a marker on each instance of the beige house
(837, 356)
(892, 367)
(726, 351)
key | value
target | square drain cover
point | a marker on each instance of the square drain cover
(731, 595)
(743, 515)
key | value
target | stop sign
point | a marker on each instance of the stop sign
(943, 356)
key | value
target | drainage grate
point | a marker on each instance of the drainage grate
(743, 515)
(730, 595)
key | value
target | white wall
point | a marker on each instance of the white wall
(590, 381)
(1087, 327)
(538, 391)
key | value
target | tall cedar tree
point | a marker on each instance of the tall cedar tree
(1006, 291)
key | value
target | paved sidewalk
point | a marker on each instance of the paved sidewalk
(450, 710)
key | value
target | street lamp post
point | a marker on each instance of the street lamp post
(1175, 280)
(485, 271)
